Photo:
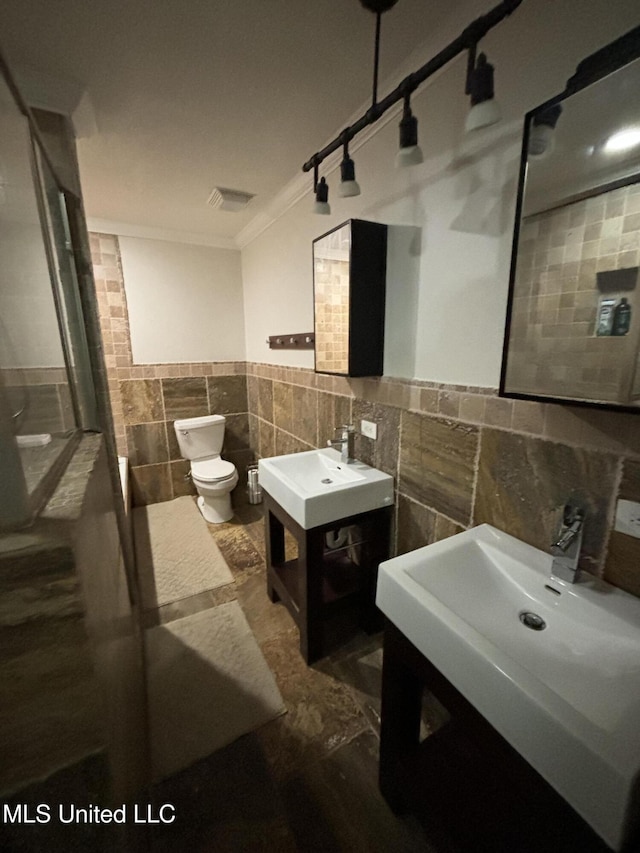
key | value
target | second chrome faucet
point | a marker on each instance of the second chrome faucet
(568, 543)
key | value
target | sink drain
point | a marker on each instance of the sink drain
(327, 480)
(532, 620)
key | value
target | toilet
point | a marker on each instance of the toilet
(200, 440)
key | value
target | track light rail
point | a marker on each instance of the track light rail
(467, 40)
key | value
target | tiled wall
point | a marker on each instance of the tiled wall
(146, 399)
(553, 340)
(114, 324)
(43, 395)
(462, 456)
(459, 455)
(150, 407)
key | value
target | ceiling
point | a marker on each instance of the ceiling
(188, 95)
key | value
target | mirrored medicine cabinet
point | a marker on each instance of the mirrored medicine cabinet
(573, 317)
(349, 273)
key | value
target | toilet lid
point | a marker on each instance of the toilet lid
(212, 470)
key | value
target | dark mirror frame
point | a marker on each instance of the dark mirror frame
(594, 68)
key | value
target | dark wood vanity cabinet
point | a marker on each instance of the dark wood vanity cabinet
(320, 582)
(349, 274)
(464, 782)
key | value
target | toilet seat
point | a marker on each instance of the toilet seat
(214, 470)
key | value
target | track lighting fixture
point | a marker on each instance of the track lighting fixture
(542, 131)
(484, 108)
(348, 184)
(410, 153)
(321, 189)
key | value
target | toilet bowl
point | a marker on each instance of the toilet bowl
(214, 479)
(200, 440)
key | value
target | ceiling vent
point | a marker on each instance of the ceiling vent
(231, 200)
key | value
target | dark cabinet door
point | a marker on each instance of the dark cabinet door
(349, 274)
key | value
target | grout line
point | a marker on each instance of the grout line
(476, 477)
(611, 516)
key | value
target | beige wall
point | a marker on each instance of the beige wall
(459, 203)
(193, 293)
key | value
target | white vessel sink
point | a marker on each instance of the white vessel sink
(316, 487)
(566, 696)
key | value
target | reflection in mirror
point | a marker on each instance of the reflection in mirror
(574, 305)
(331, 296)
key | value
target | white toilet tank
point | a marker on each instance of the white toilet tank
(200, 437)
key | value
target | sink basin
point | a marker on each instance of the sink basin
(316, 487)
(554, 667)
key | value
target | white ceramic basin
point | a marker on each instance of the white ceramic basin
(316, 487)
(567, 697)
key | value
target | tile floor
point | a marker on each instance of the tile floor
(307, 780)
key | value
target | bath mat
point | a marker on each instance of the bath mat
(208, 683)
(176, 555)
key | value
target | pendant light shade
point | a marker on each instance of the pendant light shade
(348, 185)
(409, 153)
(484, 108)
(542, 132)
(483, 115)
(321, 205)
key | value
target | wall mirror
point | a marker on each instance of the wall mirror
(349, 271)
(573, 318)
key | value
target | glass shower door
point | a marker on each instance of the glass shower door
(46, 388)
(67, 296)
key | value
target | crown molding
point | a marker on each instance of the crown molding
(302, 184)
(127, 229)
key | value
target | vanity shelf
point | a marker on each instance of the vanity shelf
(322, 581)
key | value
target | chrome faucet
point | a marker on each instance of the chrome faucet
(566, 549)
(345, 443)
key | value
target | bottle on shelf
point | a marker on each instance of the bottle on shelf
(621, 318)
